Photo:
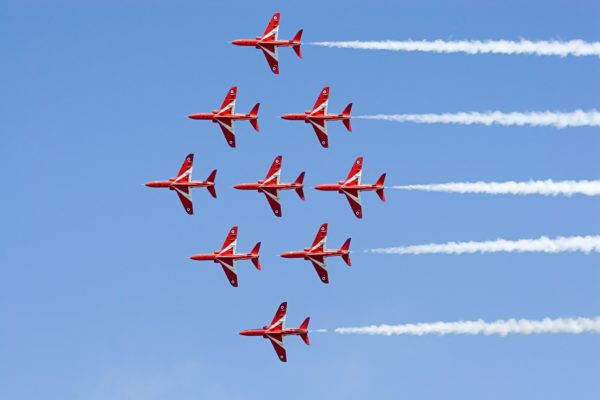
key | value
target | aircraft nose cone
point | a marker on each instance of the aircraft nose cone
(191, 116)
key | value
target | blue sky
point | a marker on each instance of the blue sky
(98, 298)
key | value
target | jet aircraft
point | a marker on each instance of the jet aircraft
(352, 187)
(276, 331)
(225, 116)
(269, 43)
(318, 117)
(271, 186)
(183, 183)
(317, 253)
(227, 256)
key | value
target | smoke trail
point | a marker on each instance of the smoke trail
(585, 244)
(480, 327)
(539, 48)
(545, 188)
(576, 118)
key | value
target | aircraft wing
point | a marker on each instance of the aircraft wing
(279, 318)
(274, 171)
(320, 127)
(186, 198)
(185, 172)
(320, 266)
(229, 269)
(228, 106)
(276, 340)
(272, 30)
(227, 127)
(230, 242)
(355, 172)
(272, 196)
(320, 107)
(271, 54)
(320, 239)
(353, 197)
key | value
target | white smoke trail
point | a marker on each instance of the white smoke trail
(539, 48)
(584, 244)
(555, 119)
(480, 327)
(545, 188)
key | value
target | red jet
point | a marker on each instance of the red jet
(225, 116)
(351, 187)
(276, 331)
(227, 256)
(268, 43)
(183, 183)
(318, 117)
(271, 186)
(317, 253)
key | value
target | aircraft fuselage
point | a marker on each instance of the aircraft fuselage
(171, 184)
(306, 117)
(306, 253)
(265, 332)
(340, 187)
(215, 257)
(214, 117)
(259, 186)
(257, 42)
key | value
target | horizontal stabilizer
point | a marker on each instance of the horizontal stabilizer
(300, 181)
(346, 247)
(297, 42)
(211, 179)
(380, 186)
(254, 254)
(254, 117)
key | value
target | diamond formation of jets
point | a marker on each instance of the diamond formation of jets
(352, 187)
(225, 116)
(227, 256)
(269, 43)
(317, 253)
(318, 117)
(276, 331)
(271, 186)
(183, 183)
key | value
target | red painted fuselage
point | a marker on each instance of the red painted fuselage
(215, 256)
(172, 184)
(319, 253)
(284, 332)
(307, 117)
(341, 186)
(260, 186)
(258, 42)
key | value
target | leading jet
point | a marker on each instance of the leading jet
(183, 183)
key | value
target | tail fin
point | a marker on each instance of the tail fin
(211, 179)
(300, 181)
(380, 182)
(297, 42)
(304, 326)
(254, 254)
(254, 115)
(346, 113)
(346, 247)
